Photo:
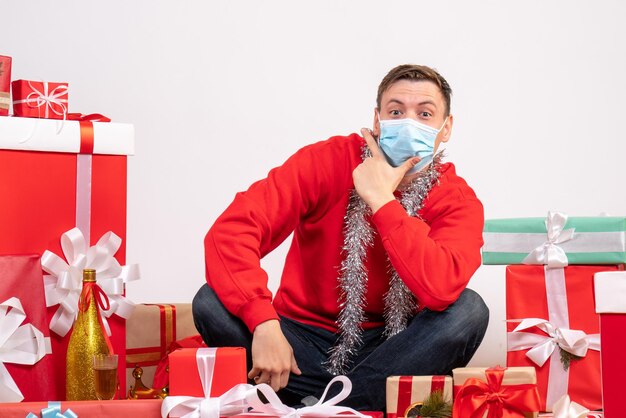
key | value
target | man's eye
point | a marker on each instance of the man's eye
(395, 113)
(426, 114)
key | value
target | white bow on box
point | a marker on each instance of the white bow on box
(19, 344)
(549, 253)
(541, 347)
(322, 408)
(64, 283)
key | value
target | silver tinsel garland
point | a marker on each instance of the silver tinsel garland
(400, 303)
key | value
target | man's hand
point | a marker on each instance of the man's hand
(375, 179)
(272, 356)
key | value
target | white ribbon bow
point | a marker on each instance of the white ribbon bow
(321, 409)
(564, 408)
(19, 344)
(64, 283)
(541, 347)
(549, 253)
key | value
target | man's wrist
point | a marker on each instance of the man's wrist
(267, 325)
(379, 202)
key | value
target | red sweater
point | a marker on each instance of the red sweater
(308, 195)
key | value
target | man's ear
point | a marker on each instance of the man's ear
(376, 124)
(446, 131)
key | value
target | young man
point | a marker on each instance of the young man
(386, 238)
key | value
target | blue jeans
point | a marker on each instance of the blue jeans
(433, 343)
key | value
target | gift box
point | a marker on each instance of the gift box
(610, 295)
(592, 240)
(52, 181)
(227, 368)
(5, 84)
(150, 331)
(553, 327)
(510, 392)
(404, 391)
(150, 408)
(39, 99)
(21, 278)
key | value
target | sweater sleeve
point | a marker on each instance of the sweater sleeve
(255, 223)
(436, 259)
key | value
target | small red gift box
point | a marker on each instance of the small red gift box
(21, 278)
(558, 306)
(5, 84)
(45, 194)
(404, 391)
(610, 292)
(480, 392)
(228, 370)
(39, 99)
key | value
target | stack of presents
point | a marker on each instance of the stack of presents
(63, 209)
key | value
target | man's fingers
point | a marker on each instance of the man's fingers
(371, 143)
(254, 373)
(284, 379)
(294, 366)
(409, 164)
(275, 381)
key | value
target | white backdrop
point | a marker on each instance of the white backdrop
(221, 91)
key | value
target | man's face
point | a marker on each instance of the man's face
(418, 100)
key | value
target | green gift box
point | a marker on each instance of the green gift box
(555, 241)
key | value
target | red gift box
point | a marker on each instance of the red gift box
(40, 192)
(610, 293)
(481, 392)
(564, 298)
(229, 369)
(39, 99)
(5, 84)
(403, 391)
(20, 277)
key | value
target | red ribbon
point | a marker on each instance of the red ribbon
(510, 401)
(86, 129)
(93, 292)
(92, 117)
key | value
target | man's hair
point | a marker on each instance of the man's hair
(415, 73)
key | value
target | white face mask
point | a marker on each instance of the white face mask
(402, 139)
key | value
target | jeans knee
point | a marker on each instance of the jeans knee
(474, 310)
(203, 306)
(471, 317)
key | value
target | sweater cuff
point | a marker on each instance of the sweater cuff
(256, 311)
(390, 217)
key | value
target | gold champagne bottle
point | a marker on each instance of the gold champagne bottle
(88, 338)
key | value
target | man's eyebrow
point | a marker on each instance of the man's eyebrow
(395, 101)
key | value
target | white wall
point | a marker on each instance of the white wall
(221, 91)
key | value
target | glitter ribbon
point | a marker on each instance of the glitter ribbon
(51, 101)
(541, 347)
(19, 344)
(63, 285)
(550, 253)
(53, 410)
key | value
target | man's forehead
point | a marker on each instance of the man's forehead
(414, 91)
